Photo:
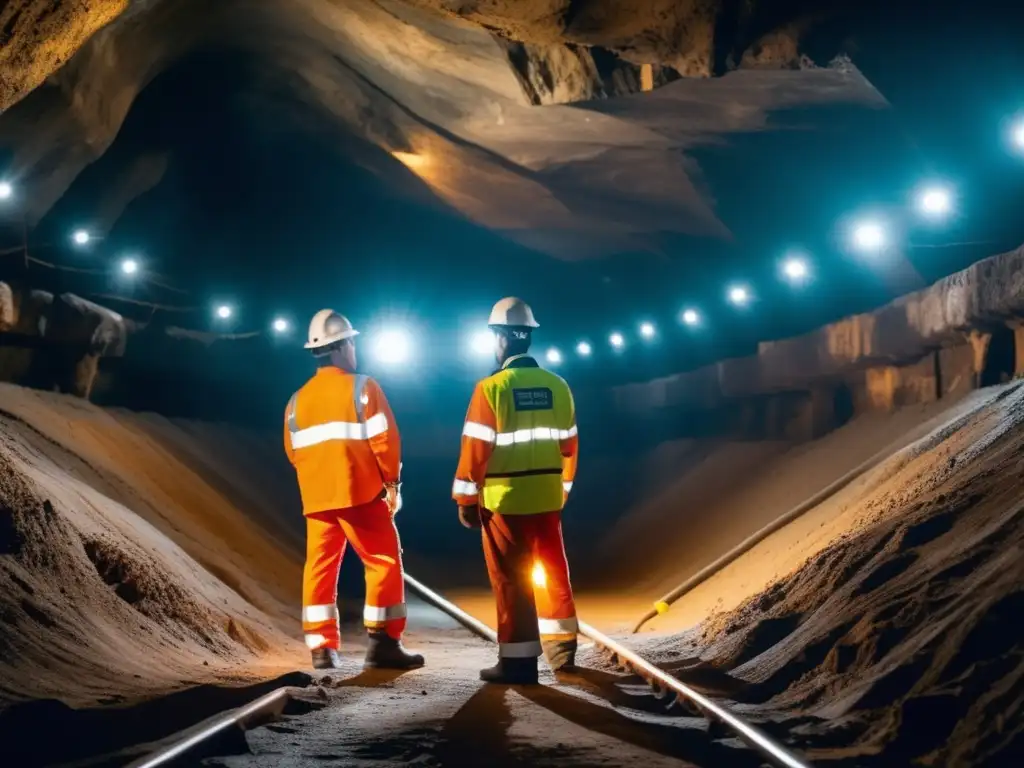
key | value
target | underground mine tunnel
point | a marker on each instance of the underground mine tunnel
(771, 410)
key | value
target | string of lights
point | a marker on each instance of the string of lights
(868, 235)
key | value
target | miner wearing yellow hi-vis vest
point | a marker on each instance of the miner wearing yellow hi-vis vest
(518, 461)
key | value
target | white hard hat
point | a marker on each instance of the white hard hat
(328, 327)
(513, 312)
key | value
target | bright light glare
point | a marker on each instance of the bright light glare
(482, 342)
(616, 340)
(647, 330)
(935, 202)
(583, 349)
(868, 236)
(129, 266)
(224, 312)
(280, 325)
(412, 160)
(691, 317)
(6, 190)
(392, 347)
(1018, 134)
(81, 237)
(538, 576)
(739, 295)
(553, 356)
(795, 269)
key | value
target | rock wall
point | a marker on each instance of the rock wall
(963, 332)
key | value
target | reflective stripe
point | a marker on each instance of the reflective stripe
(358, 398)
(313, 613)
(385, 613)
(479, 431)
(566, 486)
(293, 424)
(337, 430)
(315, 641)
(332, 430)
(376, 425)
(558, 626)
(529, 435)
(465, 488)
(529, 650)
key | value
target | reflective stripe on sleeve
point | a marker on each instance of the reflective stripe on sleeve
(384, 613)
(293, 424)
(376, 425)
(528, 650)
(566, 486)
(312, 613)
(359, 399)
(465, 488)
(558, 626)
(479, 431)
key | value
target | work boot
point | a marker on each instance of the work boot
(511, 672)
(561, 654)
(326, 658)
(385, 652)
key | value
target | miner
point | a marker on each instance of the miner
(516, 469)
(342, 439)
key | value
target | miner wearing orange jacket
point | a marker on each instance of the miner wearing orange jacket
(342, 439)
(518, 462)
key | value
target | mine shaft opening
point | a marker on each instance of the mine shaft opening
(1000, 359)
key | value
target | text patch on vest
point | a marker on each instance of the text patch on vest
(533, 399)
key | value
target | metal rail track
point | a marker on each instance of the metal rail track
(271, 706)
(752, 735)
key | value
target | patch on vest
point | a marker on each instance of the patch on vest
(533, 399)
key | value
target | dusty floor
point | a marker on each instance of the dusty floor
(442, 715)
(141, 557)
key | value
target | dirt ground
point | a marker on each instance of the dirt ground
(140, 558)
(897, 642)
(443, 715)
(128, 557)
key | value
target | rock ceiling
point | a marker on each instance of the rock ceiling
(524, 115)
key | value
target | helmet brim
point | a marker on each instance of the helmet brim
(332, 340)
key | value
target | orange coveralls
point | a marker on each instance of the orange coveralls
(530, 609)
(342, 439)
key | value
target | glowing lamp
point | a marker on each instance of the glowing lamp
(392, 347)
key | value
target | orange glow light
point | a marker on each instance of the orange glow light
(539, 579)
(410, 160)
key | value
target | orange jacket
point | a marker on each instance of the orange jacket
(342, 439)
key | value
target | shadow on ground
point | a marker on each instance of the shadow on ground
(78, 734)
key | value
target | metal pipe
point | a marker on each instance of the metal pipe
(662, 604)
(752, 735)
(430, 596)
(270, 704)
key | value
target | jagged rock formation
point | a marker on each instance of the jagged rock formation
(963, 332)
(450, 90)
(694, 37)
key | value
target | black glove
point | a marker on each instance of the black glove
(470, 516)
